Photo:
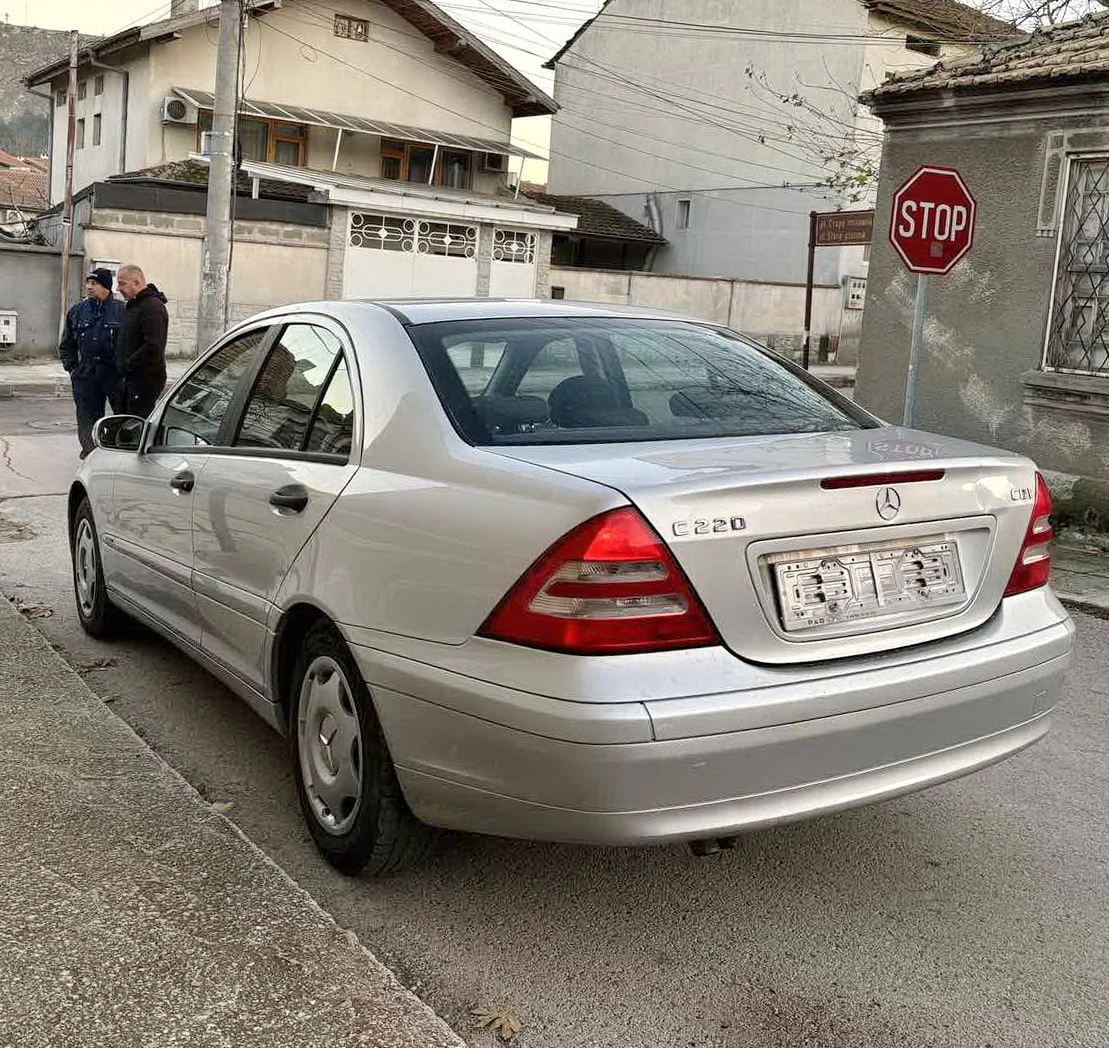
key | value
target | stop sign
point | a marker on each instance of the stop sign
(932, 224)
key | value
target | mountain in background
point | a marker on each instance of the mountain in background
(24, 117)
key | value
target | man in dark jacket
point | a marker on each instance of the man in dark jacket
(141, 350)
(88, 352)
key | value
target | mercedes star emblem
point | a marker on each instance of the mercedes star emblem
(889, 503)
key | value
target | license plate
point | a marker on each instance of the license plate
(834, 587)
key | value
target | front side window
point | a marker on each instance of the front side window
(281, 408)
(1078, 338)
(594, 380)
(196, 413)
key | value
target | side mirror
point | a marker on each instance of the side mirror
(119, 432)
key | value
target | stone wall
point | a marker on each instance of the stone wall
(272, 263)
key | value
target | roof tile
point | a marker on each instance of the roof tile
(1075, 50)
(598, 219)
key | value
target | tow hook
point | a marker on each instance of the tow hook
(712, 845)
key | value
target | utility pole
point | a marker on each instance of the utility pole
(67, 206)
(212, 318)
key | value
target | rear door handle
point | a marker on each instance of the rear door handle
(292, 496)
(183, 481)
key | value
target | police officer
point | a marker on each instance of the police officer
(88, 352)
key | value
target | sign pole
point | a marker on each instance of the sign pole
(915, 348)
(808, 290)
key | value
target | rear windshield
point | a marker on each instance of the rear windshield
(580, 380)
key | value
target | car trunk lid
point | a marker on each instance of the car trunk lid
(820, 546)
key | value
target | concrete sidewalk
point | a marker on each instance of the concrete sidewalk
(132, 914)
(1080, 575)
(47, 378)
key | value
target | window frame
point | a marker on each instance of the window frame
(79, 136)
(1070, 166)
(401, 150)
(351, 22)
(684, 221)
(271, 137)
(232, 420)
(97, 129)
(82, 90)
(98, 85)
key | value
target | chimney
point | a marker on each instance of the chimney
(179, 8)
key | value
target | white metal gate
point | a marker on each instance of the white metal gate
(514, 270)
(393, 257)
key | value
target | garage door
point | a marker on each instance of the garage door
(513, 269)
(394, 257)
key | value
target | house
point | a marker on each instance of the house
(374, 138)
(723, 125)
(1017, 336)
(23, 190)
(604, 238)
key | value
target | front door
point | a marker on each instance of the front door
(148, 534)
(262, 497)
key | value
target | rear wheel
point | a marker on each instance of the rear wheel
(99, 616)
(346, 783)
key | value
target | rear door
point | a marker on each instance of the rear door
(148, 531)
(290, 451)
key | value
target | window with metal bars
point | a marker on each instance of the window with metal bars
(1078, 336)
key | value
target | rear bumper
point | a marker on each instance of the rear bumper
(484, 758)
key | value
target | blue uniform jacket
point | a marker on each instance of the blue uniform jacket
(91, 331)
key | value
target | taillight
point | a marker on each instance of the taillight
(1034, 563)
(609, 587)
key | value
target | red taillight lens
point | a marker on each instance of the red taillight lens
(1034, 563)
(609, 587)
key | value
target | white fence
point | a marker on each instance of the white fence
(773, 313)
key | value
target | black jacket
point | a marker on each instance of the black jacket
(141, 349)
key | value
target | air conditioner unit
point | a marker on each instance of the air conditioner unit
(177, 111)
(496, 162)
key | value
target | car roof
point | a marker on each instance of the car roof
(435, 310)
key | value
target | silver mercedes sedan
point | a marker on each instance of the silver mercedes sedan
(570, 573)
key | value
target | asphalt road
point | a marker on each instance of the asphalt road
(971, 915)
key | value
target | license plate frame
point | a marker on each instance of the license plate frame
(860, 585)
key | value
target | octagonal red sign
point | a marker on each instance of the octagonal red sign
(932, 222)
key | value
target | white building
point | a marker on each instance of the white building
(720, 124)
(374, 136)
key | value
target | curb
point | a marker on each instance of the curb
(34, 389)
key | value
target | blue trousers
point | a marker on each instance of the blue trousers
(94, 386)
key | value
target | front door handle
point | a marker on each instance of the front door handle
(183, 481)
(292, 496)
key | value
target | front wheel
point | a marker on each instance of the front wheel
(99, 616)
(346, 783)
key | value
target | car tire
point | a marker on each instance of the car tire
(99, 617)
(345, 779)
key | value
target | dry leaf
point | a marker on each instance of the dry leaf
(222, 807)
(35, 611)
(98, 664)
(501, 1021)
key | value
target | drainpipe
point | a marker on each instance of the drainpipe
(97, 64)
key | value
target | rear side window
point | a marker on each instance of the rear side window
(280, 409)
(589, 380)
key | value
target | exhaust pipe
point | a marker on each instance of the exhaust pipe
(712, 845)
